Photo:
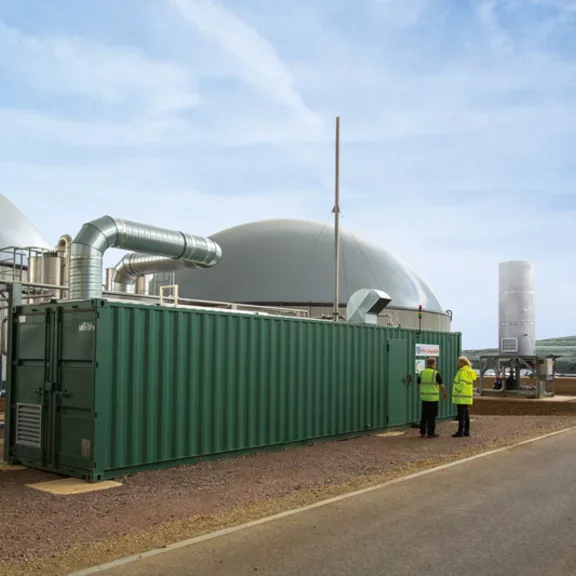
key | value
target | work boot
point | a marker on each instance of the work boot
(467, 434)
(433, 435)
(457, 435)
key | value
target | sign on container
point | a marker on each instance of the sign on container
(428, 350)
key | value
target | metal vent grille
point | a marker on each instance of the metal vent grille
(29, 425)
(509, 345)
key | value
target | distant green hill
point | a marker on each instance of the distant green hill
(565, 347)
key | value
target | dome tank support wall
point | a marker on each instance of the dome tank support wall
(516, 309)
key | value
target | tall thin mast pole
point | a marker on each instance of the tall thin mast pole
(337, 226)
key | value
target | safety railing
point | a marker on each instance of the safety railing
(37, 293)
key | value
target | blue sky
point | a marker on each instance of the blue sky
(458, 127)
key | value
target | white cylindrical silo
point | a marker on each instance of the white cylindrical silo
(516, 310)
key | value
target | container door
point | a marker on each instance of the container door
(32, 385)
(397, 382)
(74, 388)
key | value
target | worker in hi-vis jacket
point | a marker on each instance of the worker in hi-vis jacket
(430, 384)
(463, 395)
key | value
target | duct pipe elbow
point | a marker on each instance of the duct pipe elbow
(64, 243)
(201, 252)
(166, 248)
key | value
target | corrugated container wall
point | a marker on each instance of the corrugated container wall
(100, 389)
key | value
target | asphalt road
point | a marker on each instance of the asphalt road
(513, 513)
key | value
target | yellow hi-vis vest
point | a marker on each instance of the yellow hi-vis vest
(463, 389)
(429, 390)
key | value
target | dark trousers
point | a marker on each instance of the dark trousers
(463, 418)
(428, 419)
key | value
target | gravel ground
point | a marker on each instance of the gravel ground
(155, 508)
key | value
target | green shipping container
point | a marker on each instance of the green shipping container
(100, 389)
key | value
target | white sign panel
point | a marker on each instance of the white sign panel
(420, 365)
(428, 350)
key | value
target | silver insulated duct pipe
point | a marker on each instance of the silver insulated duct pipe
(89, 245)
(134, 266)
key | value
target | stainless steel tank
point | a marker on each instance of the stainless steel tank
(47, 268)
(516, 309)
(35, 269)
(109, 284)
(52, 268)
(142, 285)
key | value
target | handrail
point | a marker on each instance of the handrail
(299, 313)
(174, 287)
(3, 340)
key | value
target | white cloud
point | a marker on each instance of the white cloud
(258, 61)
(500, 42)
(450, 139)
(110, 74)
(400, 13)
(450, 99)
(456, 249)
(140, 190)
(32, 125)
(38, 126)
(566, 6)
